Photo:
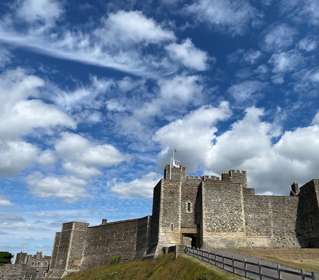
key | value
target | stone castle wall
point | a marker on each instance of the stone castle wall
(223, 214)
(271, 221)
(203, 211)
(79, 247)
(308, 215)
(126, 240)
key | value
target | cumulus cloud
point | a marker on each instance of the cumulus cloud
(234, 16)
(308, 44)
(188, 55)
(315, 120)
(39, 11)
(140, 187)
(46, 157)
(192, 136)
(19, 113)
(279, 37)
(4, 201)
(174, 94)
(109, 45)
(81, 159)
(286, 61)
(272, 157)
(301, 10)
(252, 56)
(246, 90)
(74, 147)
(127, 27)
(5, 57)
(22, 113)
(68, 188)
(15, 156)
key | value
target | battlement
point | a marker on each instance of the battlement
(211, 178)
(174, 172)
(235, 176)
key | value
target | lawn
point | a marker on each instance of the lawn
(166, 267)
(307, 259)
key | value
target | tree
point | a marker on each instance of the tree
(5, 257)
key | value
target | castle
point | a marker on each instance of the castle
(32, 267)
(202, 211)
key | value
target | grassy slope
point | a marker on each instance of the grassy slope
(167, 268)
(307, 259)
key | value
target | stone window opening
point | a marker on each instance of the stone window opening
(189, 207)
(172, 227)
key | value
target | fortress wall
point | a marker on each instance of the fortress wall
(190, 189)
(62, 253)
(55, 252)
(124, 239)
(223, 215)
(284, 215)
(155, 215)
(79, 235)
(170, 216)
(271, 221)
(308, 214)
(143, 236)
(68, 248)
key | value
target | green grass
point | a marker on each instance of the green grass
(163, 268)
(304, 258)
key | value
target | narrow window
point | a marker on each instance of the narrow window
(172, 227)
(189, 207)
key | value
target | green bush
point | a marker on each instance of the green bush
(5, 257)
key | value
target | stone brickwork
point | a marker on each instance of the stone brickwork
(31, 267)
(17, 272)
(308, 215)
(202, 211)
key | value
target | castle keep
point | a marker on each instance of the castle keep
(207, 212)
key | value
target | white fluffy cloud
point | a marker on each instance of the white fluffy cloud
(111, 44)
(188, 55)
(5, 57)
(279, 37)
(174, 94)
(249, 145)
(285, 61)
(126, 27)
(15, 156)
(21, 114)
(192, 136)
(39, 11)
(315, 120)
(234, 16)
(69, 188)
(75, 148)
(302, 10)
(81, 160)
(246, 90)
(141, 187)
(46, 157)
(4, 201)
(308, 44)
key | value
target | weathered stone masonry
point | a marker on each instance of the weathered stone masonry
(201, 211)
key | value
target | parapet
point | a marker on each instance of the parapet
(174, 172)
(210, 178)
(235, 176)
(74, 226)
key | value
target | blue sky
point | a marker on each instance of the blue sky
(94, 96)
